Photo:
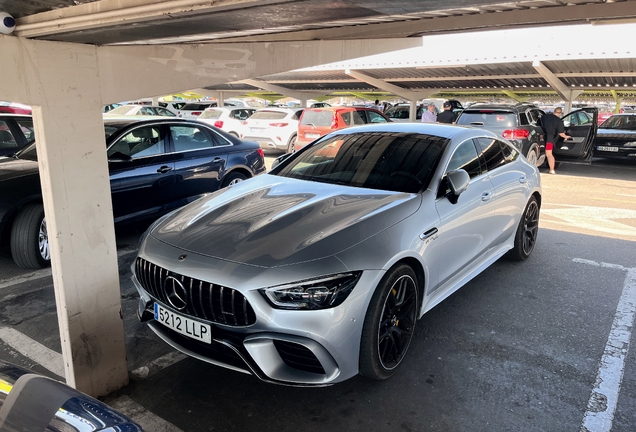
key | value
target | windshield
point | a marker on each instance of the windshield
(398, 112)
(317, 117)
(400, 162)
(624, 122)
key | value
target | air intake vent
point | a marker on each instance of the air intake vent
(298, 357)
(204, 300)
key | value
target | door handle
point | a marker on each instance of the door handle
(164, 169)
(216, 160)
(486, 196)
(523, 179)
(428, 234)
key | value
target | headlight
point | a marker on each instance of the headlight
(630, 144)
(318, 293)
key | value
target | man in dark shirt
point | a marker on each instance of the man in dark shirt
(447, 116)
(553, 128)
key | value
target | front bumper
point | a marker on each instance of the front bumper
(290, 347)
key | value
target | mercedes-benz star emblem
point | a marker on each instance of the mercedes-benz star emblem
(182, 257)
(175, 292)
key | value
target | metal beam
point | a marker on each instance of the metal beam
(391, 88)
(558, 85)
(570, 14)
(275, 88)
(515, 96)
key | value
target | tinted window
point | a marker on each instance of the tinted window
(358, 117)
(466, 158)
(509, 152)
(491, 153)
(400, 112)
(401, 162)
(164, 112)
(374, 117)
(7, 140)
(523, 119)
(297, 115)
(140, 142)
(187, 138)
(488, 118)
(316, 117)
(26, 126)
(197, 106)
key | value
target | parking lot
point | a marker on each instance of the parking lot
(523, 347)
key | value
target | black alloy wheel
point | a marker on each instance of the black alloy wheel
(527, 232)
(389, 324)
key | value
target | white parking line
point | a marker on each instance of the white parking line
(52, 361)
(602, 404)
(34, 350)
(39, 274)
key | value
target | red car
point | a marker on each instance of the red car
(316, 122)
(14, 108)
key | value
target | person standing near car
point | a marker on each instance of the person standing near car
(447, 116)
(428, 115)
(553, 128)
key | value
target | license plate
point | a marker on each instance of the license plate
(312, 135)
(182, 324)
(609, 149)
(257, 130)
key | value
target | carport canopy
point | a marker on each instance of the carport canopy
(67, 60)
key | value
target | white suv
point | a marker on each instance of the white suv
(273, 128)
(229, 119)
(193, 110)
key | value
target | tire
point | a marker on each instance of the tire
(291, 145)
(533, 155)
(389, 324)
(29, 238)
(526, 235)
(233, 178)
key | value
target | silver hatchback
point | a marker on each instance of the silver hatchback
(320, 269)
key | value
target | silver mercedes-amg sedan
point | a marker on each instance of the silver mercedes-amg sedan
(320, 269)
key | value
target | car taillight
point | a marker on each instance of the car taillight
(334, 122)
(278, 124)
(516, 134)
(218, 123)
(244, 123)
(196, 113)
(261, 152)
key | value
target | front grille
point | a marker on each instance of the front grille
(204, 300)
(298, 357)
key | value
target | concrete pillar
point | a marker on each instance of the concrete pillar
(155, 100)
(221, 99)
(62, 83)
(413, 111)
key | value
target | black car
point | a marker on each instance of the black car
(16, 132)
(520, 124)
(155, 166)
(616, 137)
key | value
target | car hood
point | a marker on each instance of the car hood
(11, 168)
(271, 221)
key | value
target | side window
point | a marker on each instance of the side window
(375, 117)
(358, 117)
(26, 126)
(523, 119)
(140, 142)
(7, 140)
(164, 112)
(509, 153)
(297, 115)
(346, 118)
(466, 158)
(188, 138)
(491, 153)
(146, 111)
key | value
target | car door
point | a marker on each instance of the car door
(581, 125)
(142, 175)
(466, 226)
(508, 182)
(200, 160)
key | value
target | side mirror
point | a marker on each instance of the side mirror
(280, 159)
(119, 157)
(458, 182)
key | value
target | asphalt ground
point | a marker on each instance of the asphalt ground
(523, 347)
